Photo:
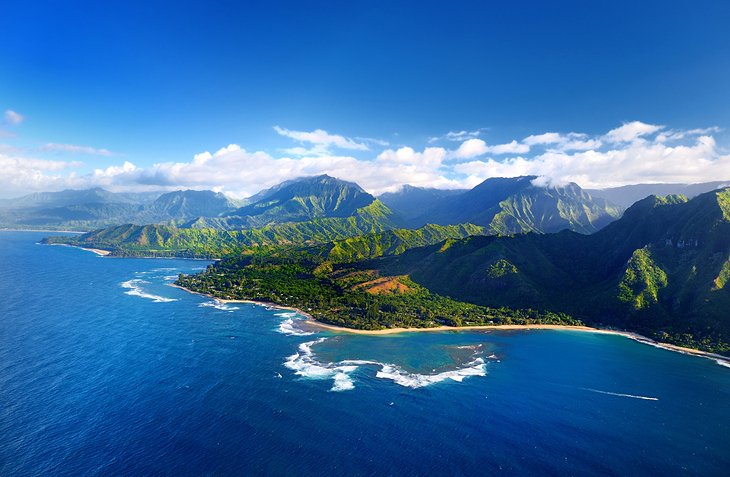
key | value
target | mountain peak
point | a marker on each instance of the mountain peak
(305, 198)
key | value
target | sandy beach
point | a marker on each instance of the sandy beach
(97, 251)
(312, 322)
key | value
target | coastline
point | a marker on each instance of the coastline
(44, 230)
(98, 251)
(311, 321)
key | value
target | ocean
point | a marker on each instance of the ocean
(107, 370)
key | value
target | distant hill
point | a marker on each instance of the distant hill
(409, 202)
(95, 208)
(625, 196)
(187, 204)
(167, 240)
(72, 197)
(663, 269)
(515, 205)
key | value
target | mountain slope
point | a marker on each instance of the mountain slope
(187, 204)
(304, 199)
(409, 202)
(625, 196)
(94, 208)
(515, 205)
(168, 240)
(662, 268)
(72, 197)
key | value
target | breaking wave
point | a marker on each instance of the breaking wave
(305, 364)
(414, 380)
(134, 288)
(722, 362)
(288, 326)
(218, 305)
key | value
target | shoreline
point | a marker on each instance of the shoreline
(311, 321)
(44, 230)
(309, 318)
(107, 253)
(98, 251)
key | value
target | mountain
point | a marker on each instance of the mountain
(94, 208)
(662, 269)
(625, 196)
(168, 240)
(409, 201)
(71, 197)
(516, 205)
(307, 211)
(303, 199)
(72, 209)
(183, 205)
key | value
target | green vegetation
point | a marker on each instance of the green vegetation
(515, 205)
(500, 268)
(349, 296)
(661, 270)
(642, 280)
(723, 277)
(167, 240)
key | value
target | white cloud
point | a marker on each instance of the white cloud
(19, 175)
(631, 131)
(470, 148)
(74, 149)
(589, 160)
(477, 147)
(545, 138)
(323, 139)
(563, 142)
(622, 164)
(11, 117)
(431, 157)
(510, 148)
(456, 136)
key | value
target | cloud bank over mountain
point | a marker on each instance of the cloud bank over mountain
(630, 153)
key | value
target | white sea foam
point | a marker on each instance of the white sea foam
(415, 380)
(306, 365)
(633, 396)
(134, 288)
(722, 362)
(170, 277)
(343, 382)
(285, 314)
(218, 305)
(288, 327)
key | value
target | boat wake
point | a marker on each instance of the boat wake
(633, 396)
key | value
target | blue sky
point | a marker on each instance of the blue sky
(107, 86)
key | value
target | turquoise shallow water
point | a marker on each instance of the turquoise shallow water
(104, 369)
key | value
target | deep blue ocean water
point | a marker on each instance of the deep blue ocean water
(106, 370)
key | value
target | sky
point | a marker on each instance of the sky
(239, 96)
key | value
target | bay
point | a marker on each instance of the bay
(107, 370)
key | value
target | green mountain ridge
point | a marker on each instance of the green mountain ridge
(661, 268)
(516, 205)
(301, 200)
(168, 240)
